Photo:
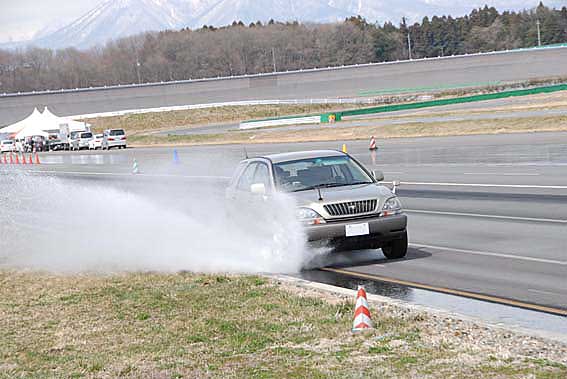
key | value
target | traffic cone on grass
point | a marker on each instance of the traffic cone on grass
(362, 320)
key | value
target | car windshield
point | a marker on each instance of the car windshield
(86, 135)
(117, 132)
(7, 142)
(321, 172)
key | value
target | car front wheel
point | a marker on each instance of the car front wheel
(396, 249)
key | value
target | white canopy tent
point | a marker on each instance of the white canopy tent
(54, 122)
(32, 119)
(41, 124)
(31, 131)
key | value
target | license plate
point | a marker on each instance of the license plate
(353, 230)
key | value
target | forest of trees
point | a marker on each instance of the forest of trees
(256, 48)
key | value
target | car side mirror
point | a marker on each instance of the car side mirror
(258, 188)
(378, 175)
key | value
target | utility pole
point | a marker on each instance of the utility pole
(538, 34)
(274, 59)
(409, 46)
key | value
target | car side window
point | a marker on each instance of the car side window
(262, 175)
(247, 178)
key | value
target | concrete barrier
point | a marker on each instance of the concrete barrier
(280, 122)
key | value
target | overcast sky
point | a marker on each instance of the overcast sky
(21, 19)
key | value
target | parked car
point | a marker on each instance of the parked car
(81, 140)
(7, 146)
(340, 203)
(96, 142)
(114, 138)
(72, 138)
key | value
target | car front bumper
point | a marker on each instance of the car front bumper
(381, 231)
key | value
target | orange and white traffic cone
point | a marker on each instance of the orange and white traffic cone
(37, 158)
(31, 159)
(17, 158)
(11, 158)
(23, 159)
(362, 318)
(372, 144)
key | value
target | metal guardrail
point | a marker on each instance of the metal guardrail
(248, 76)
(224, 104)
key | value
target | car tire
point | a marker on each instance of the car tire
(396, 249)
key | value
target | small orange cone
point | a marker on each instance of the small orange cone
(17, 159)
(37, 158)
(344, 148)
(11, 158)
(362, 318)
(31, 159)
(23, 158)
(372, 144)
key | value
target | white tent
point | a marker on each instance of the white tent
(44, 122)
(32, 119)
(31, 131)
(53, 122)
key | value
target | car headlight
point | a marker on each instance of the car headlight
(392, 206)
(309, 216)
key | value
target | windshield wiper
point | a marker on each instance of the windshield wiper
(319, 186)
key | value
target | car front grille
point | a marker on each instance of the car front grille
(351, 208)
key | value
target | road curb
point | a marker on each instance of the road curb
(348, 294)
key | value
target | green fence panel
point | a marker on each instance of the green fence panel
(458, 100)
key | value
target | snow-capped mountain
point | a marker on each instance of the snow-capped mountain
(113, 19)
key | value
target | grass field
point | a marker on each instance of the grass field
(417, 129)
(194, 326)
(151, 122)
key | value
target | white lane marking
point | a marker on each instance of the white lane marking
(490, 254)
(481, 185)
(127, 174)
(480, 215)
(545, 292)
(500, 173)
(392, 172)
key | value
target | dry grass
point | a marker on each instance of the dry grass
(316, 133)
(151, 122)
(189, 326)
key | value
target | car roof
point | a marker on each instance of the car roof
(298, 155)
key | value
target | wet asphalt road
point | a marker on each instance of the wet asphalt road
(487, 214)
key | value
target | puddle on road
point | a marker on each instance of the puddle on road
(494, 313)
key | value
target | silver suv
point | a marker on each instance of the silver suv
(81, 140)
(114, 138)
(340, 202)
